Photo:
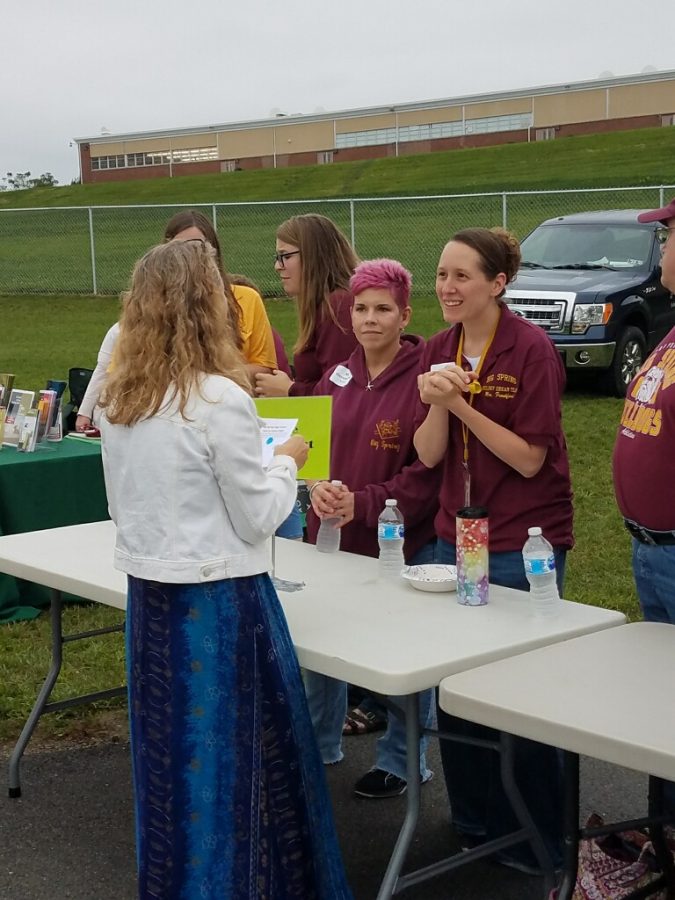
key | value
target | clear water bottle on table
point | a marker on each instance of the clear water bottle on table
(539, 562)
(328, 537)
(390, 535)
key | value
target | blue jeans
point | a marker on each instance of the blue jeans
(478, 803)
(327, 699)
(292, 526)
(654, 572)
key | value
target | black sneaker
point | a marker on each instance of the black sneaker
(378, 784)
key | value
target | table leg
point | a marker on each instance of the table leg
(507, 750)
(42, 698)
(412, 727)
(42, 703)
(571, 825)
(663, 855)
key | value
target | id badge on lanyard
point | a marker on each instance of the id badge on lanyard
(474, 389)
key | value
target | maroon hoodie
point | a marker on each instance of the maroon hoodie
(372, 450)
(282, 359)
(329, 345)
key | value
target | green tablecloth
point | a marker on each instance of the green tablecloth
(61, 484)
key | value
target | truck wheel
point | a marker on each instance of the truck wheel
(630, 353)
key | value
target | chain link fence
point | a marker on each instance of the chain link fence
(91, 250)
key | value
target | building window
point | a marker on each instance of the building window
(668, 120)
(324, 157)
(156, 158)
(228, 165)
(159, 158)
(488, 124)
(197, 154)
(544, 134)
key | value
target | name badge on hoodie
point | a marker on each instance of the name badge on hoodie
(341, 376)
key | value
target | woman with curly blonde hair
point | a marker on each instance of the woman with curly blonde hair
(229, 793)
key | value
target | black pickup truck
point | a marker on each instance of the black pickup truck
(592, 282)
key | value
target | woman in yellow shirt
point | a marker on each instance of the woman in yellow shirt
(248, 311)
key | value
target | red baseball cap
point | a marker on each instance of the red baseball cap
(659, 215)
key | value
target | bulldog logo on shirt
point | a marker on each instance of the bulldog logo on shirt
(388, 432)
(650, 384)
(641, 414)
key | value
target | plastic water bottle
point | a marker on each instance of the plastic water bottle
(390, 532)
(539, 562)
(328, 537)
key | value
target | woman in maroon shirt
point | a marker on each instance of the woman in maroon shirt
(502, 448)
(314, 261)
(374, 395)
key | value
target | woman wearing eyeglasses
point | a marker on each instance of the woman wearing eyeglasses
(314, 261)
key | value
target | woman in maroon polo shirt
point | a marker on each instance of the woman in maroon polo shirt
(314, 261)
(374, 395)
(502, 448)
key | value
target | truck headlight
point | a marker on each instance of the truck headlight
(587, 314)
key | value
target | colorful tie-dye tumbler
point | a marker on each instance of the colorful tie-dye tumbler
(472, 556)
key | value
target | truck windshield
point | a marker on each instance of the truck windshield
(579, 246)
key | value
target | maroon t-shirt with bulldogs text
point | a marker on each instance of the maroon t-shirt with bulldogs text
(644, 453)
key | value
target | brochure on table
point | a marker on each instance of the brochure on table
(6, 385)
(312, 416)
(18, 406)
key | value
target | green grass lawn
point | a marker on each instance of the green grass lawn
(45, 247)
(43, 336)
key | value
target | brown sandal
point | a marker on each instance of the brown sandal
(358, 721)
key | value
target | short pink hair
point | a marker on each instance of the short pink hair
(382, 274)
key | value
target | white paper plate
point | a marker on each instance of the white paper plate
(431, 577)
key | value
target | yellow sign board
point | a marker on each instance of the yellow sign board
(314, 423)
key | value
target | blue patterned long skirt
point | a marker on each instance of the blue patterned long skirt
(230, 797)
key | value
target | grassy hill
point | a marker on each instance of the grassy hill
(50, 251)
(639, 157)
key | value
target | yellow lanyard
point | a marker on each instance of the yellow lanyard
(472, 394)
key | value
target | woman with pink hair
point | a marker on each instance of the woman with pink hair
(374, 396)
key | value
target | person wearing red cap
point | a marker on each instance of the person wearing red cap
(644, 461)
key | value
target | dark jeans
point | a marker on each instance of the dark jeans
(478, 803)
(654, 571)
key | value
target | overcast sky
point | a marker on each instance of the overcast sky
(70, 68)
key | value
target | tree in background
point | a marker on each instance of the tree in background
(22, 181)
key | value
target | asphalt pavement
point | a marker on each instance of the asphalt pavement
(70, 836)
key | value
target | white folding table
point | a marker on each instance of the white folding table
(609, 695)
(385, 637)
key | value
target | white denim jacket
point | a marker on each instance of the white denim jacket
(189, 496)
